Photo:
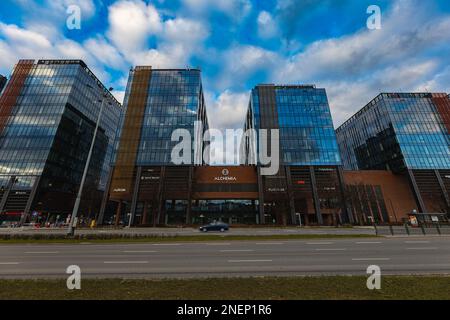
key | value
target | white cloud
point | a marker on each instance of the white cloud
(349, 95)
(185, 31)
(355, 68)
(228, 110)
(267, 27)
(19, 43)
(22, 37)
(131, 23)
(105, 53)
(119, 95)
(87, 6)
(233, 8)
(241, 62)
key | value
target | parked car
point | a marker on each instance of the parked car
(216, 226)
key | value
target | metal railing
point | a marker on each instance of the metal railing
(408, 230)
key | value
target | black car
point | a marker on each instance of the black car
(217, 226)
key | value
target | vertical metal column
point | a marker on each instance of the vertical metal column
(262, 218)
(346, 211)
(315, 195)
(12, 180)
(160, 196)
(444, 191)
(101, 214)
(118, 213)
(145, 214)
(134, 200)
(30, 201)
(189, 206)
(291, 196)
(416, 191)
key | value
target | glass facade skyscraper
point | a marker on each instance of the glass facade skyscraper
(396, 131)
(303, 116)
(158, 102)
(308, 186)
(48, 114)
(406, 133)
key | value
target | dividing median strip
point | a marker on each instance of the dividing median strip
(339, 249)
(167, 244)
(249, 261)
(8, 263)
(125, 262)
(319, 243)
(237, 250)
(42, 252)
(370, 242)
(269, 243)
(142, 251)
(371, 259)
(424, 248)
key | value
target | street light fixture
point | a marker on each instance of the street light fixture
(73, 220)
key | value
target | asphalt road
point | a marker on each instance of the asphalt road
(191, 231)
(424, 255)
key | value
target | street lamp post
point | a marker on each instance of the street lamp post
(71, 230)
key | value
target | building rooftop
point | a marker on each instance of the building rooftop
(83, 65)
(155, 69)
(389, 95)
(281, 86)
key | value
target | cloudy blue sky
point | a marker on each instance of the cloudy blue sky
(240, 43)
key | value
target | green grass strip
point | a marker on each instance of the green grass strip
(289, 288)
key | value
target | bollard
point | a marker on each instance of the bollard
(407, 229)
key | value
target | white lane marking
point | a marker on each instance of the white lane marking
(337, 249)
(8, 263)
(42, 252)
(167, 244)
(125, 262)
(218, 244)
(319, 243)
(370, 242)
(141, 251)
(269, 243)
(245, 261)
(237, 250)
(424, 248)
(417, 241)
(371, 259)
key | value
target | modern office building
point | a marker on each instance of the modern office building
(409, 135)
(145, 185)
(149, 189)
(308, 188)
(3, 81)
(48, 114)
